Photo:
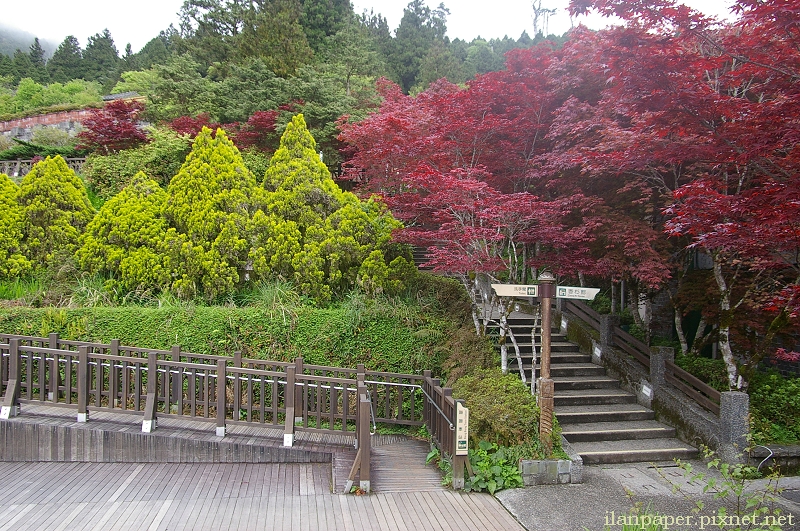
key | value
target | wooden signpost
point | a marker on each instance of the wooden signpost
(546, 291)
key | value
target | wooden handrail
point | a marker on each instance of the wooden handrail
(702, 393)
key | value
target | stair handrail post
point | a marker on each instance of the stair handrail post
(658, 365)
(734, 426)
(607, 324)
(547, 292)
(150, 420)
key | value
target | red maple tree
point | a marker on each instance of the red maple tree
(113, 127)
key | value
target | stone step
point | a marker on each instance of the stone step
(584, 382)
(614, 431)
(603, 413)
(574, 369)
(576, 397)
(556, 358)
(633, 451)
(555, 347)
(561, 369)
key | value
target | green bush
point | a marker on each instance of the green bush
(13, 262)
(492, 469)
(774, 400)
(501, 408)
(775, 408)
(160, 159)
(601, 304)
(712, 372)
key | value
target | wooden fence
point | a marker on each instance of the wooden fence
(224, 390)
(19, 168)
(703, 394)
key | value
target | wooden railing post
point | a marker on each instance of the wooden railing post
(10, 406)
(365, 407)
(176, 388)
(298, 392)
(426, 406)
(237, 384)
(289, 397)
(113, 375)
(221, 398)
(150, 422)
(55, 374)
(83, 383)
(361, 464)
(436, 425)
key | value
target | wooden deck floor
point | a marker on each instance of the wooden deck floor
(223, 496)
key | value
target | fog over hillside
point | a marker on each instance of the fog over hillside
(12, 39)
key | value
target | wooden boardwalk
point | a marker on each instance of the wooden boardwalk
(304, 496)
(222, 497)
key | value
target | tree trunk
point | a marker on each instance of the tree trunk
(679, 331)
(734, 380)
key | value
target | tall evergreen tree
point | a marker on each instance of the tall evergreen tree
(22, 66)
(101, 60)
(419, 29)
(208, 207)
(38, 71)
(156, 51)
(276, 35)
(67, 61)
(323, 18)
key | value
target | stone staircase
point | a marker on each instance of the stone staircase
(602, 422)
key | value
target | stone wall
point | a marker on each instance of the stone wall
(22, 128)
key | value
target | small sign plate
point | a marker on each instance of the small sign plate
(569, 292)
(462, 429)
(515, 290)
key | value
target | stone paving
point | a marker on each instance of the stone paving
(609, 492)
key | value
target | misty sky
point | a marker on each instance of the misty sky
(136, 23)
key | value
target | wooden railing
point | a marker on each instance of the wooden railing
(705, 395)
(20, 168)
(225, 390)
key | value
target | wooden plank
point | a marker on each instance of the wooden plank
(694, 394)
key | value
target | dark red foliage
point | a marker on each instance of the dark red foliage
(187, 125)
(114, 127)
(259, 132)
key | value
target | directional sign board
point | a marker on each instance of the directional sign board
(569, 292)
(562, 292)
(515, 290)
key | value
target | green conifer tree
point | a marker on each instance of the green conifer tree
(209, 206)
(125, 240)
(56, 210)
(12, 262)
(329, 233)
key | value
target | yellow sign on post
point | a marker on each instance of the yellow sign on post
(462, 429)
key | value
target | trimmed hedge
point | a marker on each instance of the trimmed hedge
(330, 336)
